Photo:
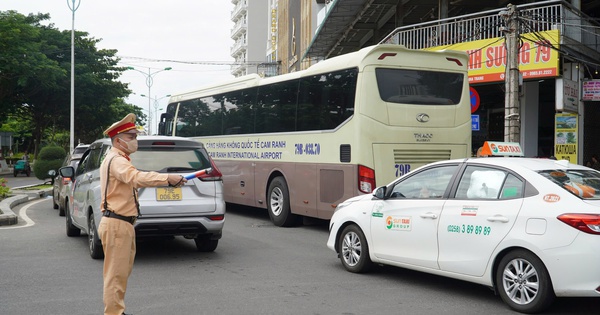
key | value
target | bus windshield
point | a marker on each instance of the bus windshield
(419, 87)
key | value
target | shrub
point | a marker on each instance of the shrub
(4, 190)
(50, 158)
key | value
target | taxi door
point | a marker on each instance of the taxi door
(484, 210)
(404, 227)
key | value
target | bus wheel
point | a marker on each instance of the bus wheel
(279, 203)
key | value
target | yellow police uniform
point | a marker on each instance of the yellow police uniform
(119, 183)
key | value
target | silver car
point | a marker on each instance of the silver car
(195, 210)
(62, 186)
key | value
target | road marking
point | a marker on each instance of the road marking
(23, 215)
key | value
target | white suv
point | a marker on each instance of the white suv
(195, 210)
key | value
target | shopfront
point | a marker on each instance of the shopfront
(548, 96)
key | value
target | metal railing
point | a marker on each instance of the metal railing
(535, 17)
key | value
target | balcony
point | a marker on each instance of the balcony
(240, 27)
(238, 69)
(238, 47)
(239, 10)
(579, 33)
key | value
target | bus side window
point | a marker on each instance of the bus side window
(276, 107)
(329, 98)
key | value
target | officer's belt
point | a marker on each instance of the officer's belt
(110, 214)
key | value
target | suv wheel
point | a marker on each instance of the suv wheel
(94, 241)
(61, 209)
(54, 203)
(205, 244)
(71, 229)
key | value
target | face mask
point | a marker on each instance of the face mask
(131, 146)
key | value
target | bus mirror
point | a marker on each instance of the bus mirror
(161, 128)
(380, 192)
(165, 120)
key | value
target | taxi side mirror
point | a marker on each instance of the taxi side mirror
(380, 192)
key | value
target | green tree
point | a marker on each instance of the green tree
(22, 61)
(35, 82)
(51, 158)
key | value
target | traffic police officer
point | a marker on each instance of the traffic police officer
(120, 208)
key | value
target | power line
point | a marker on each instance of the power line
(206, 63)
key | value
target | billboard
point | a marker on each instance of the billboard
(591, 90)
(565, 145)
(538, 57)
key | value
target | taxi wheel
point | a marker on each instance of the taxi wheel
(72, 230)
(523, 282)
(354, 250)
(279, 203)
(94, 241)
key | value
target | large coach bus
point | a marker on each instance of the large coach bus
(300, 143)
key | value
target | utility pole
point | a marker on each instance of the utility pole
(512, 121)
(73, 7)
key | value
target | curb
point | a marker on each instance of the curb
(7, 216)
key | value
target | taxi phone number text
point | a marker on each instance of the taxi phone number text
(470, 229)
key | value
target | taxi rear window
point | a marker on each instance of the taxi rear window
(582, 183)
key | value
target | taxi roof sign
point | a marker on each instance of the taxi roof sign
(493, 148)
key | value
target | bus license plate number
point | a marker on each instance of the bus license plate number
(170, 193)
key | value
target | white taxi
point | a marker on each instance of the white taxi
(527, 228)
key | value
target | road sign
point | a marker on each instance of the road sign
(475, 122)
(474, 100)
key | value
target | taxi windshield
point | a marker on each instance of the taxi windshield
(582, 183)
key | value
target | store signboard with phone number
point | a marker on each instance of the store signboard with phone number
(538, 57)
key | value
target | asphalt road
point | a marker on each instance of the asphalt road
(257, 269)
(21, 180)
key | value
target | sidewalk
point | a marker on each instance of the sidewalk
(19, 196)
(6, 171)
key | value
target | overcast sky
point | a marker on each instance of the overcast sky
(183, 31)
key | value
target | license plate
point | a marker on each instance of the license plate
(168, 193)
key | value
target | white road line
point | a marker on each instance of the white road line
(23, 215)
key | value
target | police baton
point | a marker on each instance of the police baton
(198, 173)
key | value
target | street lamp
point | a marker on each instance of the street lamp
(156, 107)
(149, 81)
(73, 8)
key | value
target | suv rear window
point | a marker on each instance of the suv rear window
(80, 149)
(419, 87)
(582, 183)
(170, 159)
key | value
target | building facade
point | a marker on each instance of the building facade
(558, 54)
(249, 33)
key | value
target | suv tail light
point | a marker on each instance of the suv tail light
(366, 179)
(587, 223)
(215, 174)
